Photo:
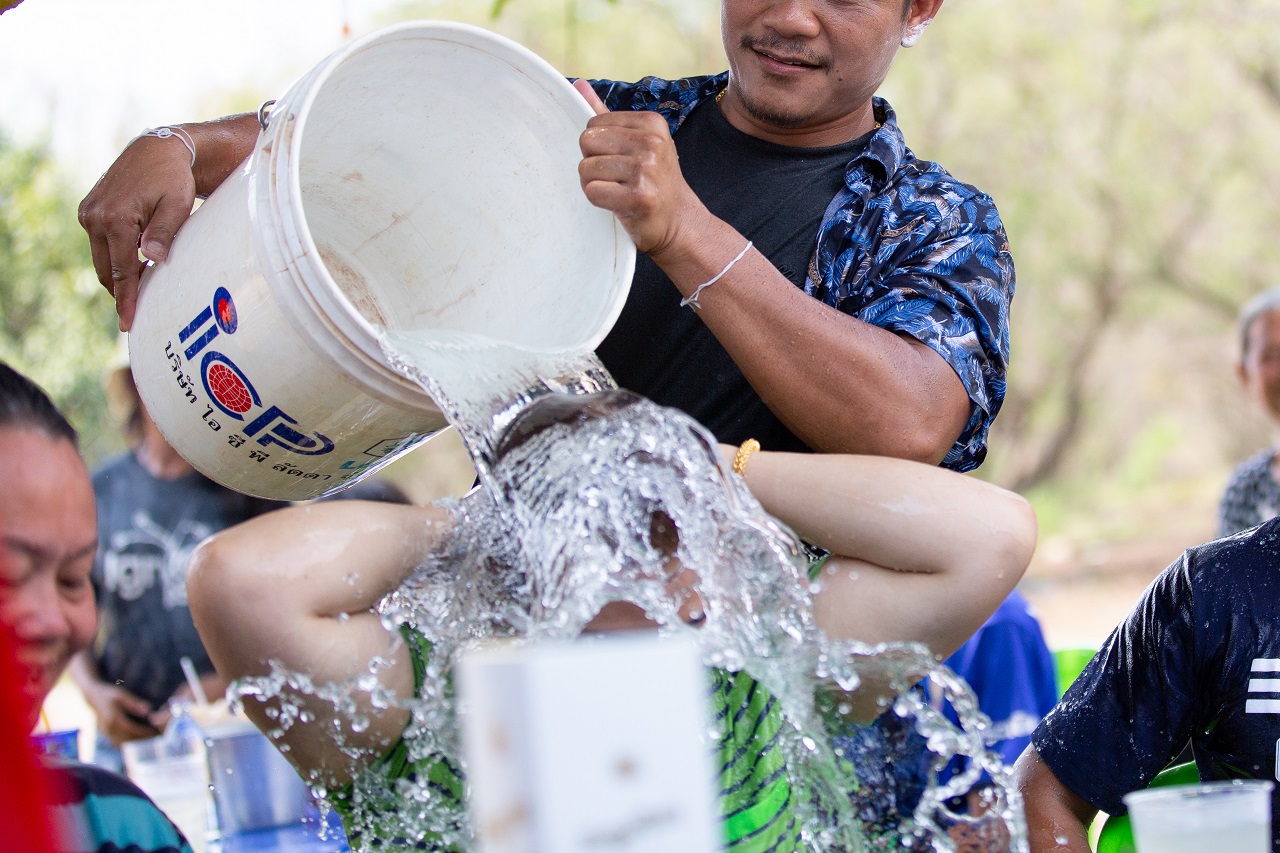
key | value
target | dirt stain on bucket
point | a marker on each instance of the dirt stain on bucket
(353, 285)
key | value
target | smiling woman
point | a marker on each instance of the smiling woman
(48, 537)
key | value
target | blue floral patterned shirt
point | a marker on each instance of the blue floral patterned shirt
(903, 246)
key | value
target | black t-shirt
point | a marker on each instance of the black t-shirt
(775, 195)
(1198, 658)
(147, 529)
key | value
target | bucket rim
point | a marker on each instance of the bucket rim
(367, 336)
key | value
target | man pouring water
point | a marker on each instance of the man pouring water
(805, 280)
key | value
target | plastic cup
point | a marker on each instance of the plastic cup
(1233, 815)
(63, 743)
(177, 784)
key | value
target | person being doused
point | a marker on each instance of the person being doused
(607, 513)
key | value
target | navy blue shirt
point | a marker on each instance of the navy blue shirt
(1197, 659)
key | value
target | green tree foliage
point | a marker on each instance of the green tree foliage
(56, 324)
(618, 39)
(1128, 148)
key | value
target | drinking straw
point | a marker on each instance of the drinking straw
(193, 680)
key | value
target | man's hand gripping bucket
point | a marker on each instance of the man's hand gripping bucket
(423, 177)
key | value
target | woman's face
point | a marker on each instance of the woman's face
(48, 536)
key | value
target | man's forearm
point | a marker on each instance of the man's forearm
(221, 146)
(841, 385)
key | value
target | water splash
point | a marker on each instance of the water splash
(586, 500)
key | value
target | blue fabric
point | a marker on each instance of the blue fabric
(904, 246)
(100, 812)
(1011, 670)
(1197, 658)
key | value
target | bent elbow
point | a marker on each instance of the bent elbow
(208, 583)
(1015, 529)
(224, 585)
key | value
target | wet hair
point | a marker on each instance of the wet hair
(562, 409)
(1263, 303)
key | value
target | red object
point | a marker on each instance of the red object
(23, 781)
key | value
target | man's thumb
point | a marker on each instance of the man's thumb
(584, 89)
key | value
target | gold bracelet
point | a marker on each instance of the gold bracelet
(744, 453)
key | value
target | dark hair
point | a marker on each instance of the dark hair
(23, 403)
(555, 409)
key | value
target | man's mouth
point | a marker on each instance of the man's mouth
(784, 59)
(786, 53)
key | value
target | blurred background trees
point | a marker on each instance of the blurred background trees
(55, 323)
(1128, 146)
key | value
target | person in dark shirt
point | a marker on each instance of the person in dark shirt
(805, 279)
(1195, 661)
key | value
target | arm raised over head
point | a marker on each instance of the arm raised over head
(298, 586)
(919, 553)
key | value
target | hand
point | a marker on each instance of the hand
(121, 714)
(140, 202)
(630, 168)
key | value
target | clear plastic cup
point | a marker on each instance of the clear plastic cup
(1233, 815)
(177, 784)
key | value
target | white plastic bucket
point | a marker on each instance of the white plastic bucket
(422, 177)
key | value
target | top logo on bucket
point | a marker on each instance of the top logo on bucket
(229, 388)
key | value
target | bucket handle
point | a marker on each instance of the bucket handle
(264, 114)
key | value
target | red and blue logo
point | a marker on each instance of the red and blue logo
(230, 389)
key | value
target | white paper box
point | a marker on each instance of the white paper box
(595, 746)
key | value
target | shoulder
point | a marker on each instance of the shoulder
(1254, 469)
(1248, 557)
(923, 185)
(110, 812)
(78, 782)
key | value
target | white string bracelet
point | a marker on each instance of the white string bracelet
(165, 131)
(692, 298)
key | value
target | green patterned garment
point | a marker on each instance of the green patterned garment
(757, 796)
